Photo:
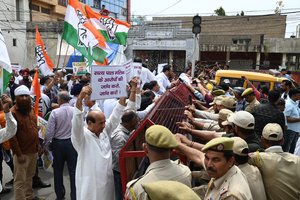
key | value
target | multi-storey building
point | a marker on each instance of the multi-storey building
(54, 10)
(19, 17)
(243, 42)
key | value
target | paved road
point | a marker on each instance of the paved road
(46, 175)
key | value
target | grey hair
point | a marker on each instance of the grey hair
(64, 95)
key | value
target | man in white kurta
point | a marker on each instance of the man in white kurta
(94, 175)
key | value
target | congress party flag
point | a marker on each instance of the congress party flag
(5, 65)
(43, 60)
(82, 35)
(114, 30)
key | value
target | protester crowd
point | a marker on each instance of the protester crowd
(242, 142)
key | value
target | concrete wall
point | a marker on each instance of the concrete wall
(13, 26)
(272, 26)
(280, 45)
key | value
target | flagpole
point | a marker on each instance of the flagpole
(65, 57)
(59, 52)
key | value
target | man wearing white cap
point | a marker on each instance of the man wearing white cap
(252, 173)
(280, 170)
(243, 126)
(24, 144)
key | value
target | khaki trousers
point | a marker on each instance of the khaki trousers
(23, 174)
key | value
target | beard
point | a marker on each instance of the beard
(24, 106)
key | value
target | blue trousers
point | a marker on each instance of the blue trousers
(290, 140)
(63, 151)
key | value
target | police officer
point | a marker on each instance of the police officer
(159, 142)
(280, 170)
(173, 190)
(249, 96)
(227, 180)
(252, 173)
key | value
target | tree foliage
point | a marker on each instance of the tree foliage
(220, 11)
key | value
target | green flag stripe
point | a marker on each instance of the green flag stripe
(120, 37)
(71, 36)
(6, 78)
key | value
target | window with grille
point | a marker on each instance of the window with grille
(45, 10)
(35, 7)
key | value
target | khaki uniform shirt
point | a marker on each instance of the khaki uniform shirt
(280, 172)
(157, 171)
(255, 181)
(211, 126)
(233, 185)
(250, 107)
(207, 115)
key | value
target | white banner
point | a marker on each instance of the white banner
(136, 69)
(17, 68)
(128, 69)
(108, 82)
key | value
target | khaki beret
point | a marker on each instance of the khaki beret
(242, 119)
(218, 92)
(240, 146)
(169, 190)
(228, 102)
(247, 92)
(219, 144)
(217, 100)
(273, 132)
(223, 114)
(161, 137)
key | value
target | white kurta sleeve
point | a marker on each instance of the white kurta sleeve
(114, 119)
(142, 114)
(77, 136)
(138, 100)
(10, 128)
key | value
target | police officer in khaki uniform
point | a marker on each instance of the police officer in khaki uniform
(252, 173)
(280, 170)
(249, 96)
(159, 142)
(169, 190)
(227, 180)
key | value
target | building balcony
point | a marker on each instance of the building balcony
(59, 9)
(48, 2)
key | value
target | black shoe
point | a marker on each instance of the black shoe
(40, 184)
(5, 191)
(9, 183)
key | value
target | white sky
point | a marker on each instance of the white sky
(151, 8)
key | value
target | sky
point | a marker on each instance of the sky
(150, 8)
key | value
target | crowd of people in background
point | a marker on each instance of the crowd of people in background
(244, 141)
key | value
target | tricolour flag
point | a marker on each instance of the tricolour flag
(114, 30)
(43, 60)
(82, 35)
(36, 91)
(5, 65)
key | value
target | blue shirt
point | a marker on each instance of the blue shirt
(292, 110)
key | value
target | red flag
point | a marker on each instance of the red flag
(36, 91)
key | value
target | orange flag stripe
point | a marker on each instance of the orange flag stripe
(39, 41)
(36, 91)
(100, 38)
